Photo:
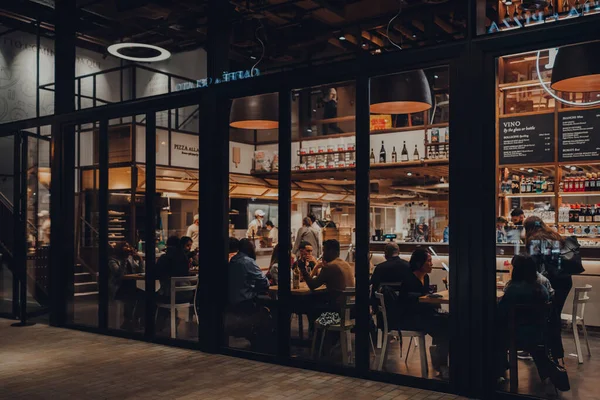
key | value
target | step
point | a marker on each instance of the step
(80, 277)
(86, 294)
(84, 287)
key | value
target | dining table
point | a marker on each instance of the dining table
(443, 297)
(303, 290)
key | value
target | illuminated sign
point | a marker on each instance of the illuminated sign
(226, 77)
(538, 17)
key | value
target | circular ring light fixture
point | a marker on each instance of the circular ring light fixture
(549, 91)
(114, 50)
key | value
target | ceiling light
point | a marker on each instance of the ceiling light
(577, 69)
(567, 166)
(377, 51)
(435, 76)
(521, 169)
(114, 50)
(409, 173)
(253, 57)
(573, 168)
(163, 143)
(364, 45)
(530, 170)
(404, 93)
(342, 37)
(414, 36)
(255, 112)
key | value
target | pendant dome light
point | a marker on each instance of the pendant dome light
(255, 112)
(577, 68)
(405, 93)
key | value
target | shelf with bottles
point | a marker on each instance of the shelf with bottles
(521, 195)
(322, 153)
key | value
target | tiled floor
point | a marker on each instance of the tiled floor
(42, 362)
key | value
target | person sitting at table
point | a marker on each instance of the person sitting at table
(234, 247)
(392, 270)
(333, 272)
(245, 317)
(273, 274)
(524, 289)
(192, 255)
(174, 263)
(124, 260)
(419, 316)
(305, 259)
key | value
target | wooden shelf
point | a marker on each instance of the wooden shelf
(325, 153)
(508, 196)
(579, 223)
(521, 84)
(437, 144)
(578, 194)
(333, 120)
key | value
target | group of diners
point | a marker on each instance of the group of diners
(175, 260)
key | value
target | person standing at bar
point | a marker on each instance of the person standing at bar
(192, 232)
(273, 232)
(309, 234)
(255, 225)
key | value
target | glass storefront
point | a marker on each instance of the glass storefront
(306, 217)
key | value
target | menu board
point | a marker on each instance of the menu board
(579, 135)
(527, 139)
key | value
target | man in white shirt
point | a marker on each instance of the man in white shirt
(273, 232)
(255, 225)
(317, 227)
(192, 232)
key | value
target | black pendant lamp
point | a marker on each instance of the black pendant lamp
(577, 68)
(405, 93)
(255, 112)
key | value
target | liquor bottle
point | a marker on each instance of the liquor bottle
(523, 184)
(529, 186)
(515, 186)
(416, 154)
(538, 184)
(550, 186)
(597, 213)
(372, 157)
(589, 215)
(404, 153)
(382, 153)
(394, 155)
(586, 182)
(580, 214)
(435, 135)
(593, 179)
(597, 181)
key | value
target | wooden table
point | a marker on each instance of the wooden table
(303, 290)
(445, 299)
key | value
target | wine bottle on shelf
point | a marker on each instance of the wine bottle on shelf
(580, 213)
(523, 184)
(586, 182)
(589, 215)
(372, 157)
(382, 153)
(404, 153)
(597, 213)
(593, 178)
(394, 155)
(515, 185)
(416, 154)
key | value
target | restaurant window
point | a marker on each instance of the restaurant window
(323, 223)
(496, 16)
(7, 150)
(250, 317)
(84, 303)
(177, 224)
(410, 146)
(548, 201)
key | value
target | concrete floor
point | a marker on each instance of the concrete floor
(41, 362)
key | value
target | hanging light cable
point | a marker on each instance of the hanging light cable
(387, 32)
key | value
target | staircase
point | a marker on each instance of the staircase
(86, 284)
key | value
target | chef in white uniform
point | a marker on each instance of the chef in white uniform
(192, 232)
(256, 224)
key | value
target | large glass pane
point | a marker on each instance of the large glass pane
(548, 209)
(86, 220)
(250, 317)
(410, 143)
(7, 150)
(322, 222)
(178, 250)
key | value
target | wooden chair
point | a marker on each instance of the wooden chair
(344, 328)
(579, 300)
(521, 315)
(404, 333)
(190, 283)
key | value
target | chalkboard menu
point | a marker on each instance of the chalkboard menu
(527, 139)
(579, 135)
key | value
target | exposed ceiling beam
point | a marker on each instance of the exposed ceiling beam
(373, 39)
(448, 28)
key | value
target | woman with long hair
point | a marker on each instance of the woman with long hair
(273, 274)
(538, 236)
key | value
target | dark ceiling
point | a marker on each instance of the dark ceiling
(293, 31)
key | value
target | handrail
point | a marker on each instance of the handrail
(90, 226)
(6, 202)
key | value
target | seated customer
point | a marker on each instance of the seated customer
(305, 260)
(192, 255)
(420, 316)
(245, 317)
(393, 269)
(333, 272)
(234, 247)
(124, 260)
(524, 290)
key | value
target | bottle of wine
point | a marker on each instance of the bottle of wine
(372, 157)
(597, 213)
(394, 155)
(404, 154)
(416, 154)
(382, 153)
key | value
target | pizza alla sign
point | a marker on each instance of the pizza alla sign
(184, 150)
